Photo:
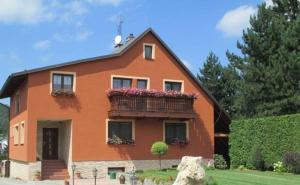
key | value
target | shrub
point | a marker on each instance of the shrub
(279, 167)
(219, 162)
(210, 181)
(257, 159)
(242, 168)
(159, 148)
(291, 161)
(274, 135)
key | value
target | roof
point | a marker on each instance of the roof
(15, 79)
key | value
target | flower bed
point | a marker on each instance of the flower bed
(146, 92)
(118, 141)
(176, 141)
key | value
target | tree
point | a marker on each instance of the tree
(221, 81)
(159, 148)
(270, 62)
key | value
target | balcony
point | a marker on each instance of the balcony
(147, 105)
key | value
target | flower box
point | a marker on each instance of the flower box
(148, 93)
(176, 141)
(62, 92)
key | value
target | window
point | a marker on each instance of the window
(22, 133)
(175, 131)
(173, 86)
(62, 82)
(120, 129)
(17, 103)
(121, 82)
(16, 134)
(142, 84)
(149, 51)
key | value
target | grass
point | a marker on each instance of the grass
(232, 177)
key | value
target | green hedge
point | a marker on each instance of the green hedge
(273, 135)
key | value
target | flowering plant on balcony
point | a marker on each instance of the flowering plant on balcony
(177, 141)
(62, 92)
(146, 92)
(115, 140)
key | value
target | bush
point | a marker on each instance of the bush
(274, 135)
(219, 162)
(257, 159)
(279, 167)
(159, 148)
(291, 161)
(210, 181)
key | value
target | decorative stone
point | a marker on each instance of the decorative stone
(191, 171)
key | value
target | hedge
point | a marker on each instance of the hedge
(274, 136)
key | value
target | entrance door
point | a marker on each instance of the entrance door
(50, 143)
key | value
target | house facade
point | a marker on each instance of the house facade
(106, 112)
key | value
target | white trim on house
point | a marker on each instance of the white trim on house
(66, 73)
(153, 50)
(22, 133)
(129, 77)
(123, 120)
(176, 121)
(172, 80)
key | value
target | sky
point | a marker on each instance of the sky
(37, 33)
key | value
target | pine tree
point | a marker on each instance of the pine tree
(269, 65)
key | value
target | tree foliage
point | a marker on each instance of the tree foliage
(265, 78)
(159, 148)
(4, 119)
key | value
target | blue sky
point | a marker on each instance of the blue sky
(35, 33)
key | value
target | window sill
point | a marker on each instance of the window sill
(177, 142)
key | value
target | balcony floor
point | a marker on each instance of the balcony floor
(137, 114)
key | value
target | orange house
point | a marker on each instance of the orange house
(107, 111)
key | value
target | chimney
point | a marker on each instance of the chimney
(129, 37)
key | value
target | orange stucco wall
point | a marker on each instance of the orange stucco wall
(88, 110)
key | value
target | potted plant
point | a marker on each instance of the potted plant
(122, 179)
(78, 174)
(37, 176)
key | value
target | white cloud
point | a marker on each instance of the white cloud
(234, 21)
(269, 3)
(82, 36)
(105, 2)
(42, 44)
(23, 11)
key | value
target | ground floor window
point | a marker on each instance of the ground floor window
(176, 133)
(120, 132)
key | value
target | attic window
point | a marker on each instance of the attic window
(149, 51)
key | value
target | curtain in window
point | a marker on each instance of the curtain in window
(68, 83)
(56, 82)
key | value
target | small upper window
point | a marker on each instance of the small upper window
(16, 134)
(142, 84)
(149, 51)
(17, 103)
(121, 83)
(63, 82)
(173, 86)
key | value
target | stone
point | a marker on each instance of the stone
(191, 171)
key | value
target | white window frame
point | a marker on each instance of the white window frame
(22, 133)
(172, 80)
(176, 121)
(129, 77)
(120, 120)
(16, 133)
(153, 50)
(63, 73)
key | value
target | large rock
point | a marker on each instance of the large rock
(191, 171)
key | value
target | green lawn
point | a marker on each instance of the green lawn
(234, 177)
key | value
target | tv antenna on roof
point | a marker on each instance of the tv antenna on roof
(118, 38)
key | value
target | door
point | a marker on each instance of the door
(50, 143)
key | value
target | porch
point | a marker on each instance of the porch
(54, 148)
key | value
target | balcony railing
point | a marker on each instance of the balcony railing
(147, 106)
